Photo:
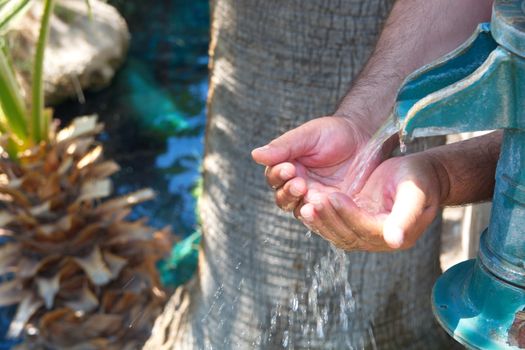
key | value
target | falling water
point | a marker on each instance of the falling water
(370, 154)
(324, 277)
(330, 273)
(328, 276)
(325, 280)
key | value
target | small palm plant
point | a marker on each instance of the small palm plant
(81, 274)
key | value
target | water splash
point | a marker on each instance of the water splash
(324, 277)
(324, 295)
(328, 276)
(286, 339)
(402, 141)
(402, 146)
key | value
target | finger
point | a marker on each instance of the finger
(366, 227)
(277, 175)
(316, 186)
(290, 194)
(332, 226)
(297, 211)
(310, 217)
(405, 217)
(291, 145)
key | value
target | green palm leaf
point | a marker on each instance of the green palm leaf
(40, 122)
(11, 101)
(10, 10)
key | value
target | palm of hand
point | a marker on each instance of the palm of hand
(328, 165)
(312, 169)
(398, 201)
(317, 156)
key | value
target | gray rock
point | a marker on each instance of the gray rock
(83, 50)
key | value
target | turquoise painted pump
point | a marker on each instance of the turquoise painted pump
(481, 86)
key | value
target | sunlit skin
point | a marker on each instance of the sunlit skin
(397, 202)
(310, 167)
(314, 186)
(318, 155)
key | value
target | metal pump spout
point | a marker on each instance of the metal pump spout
(469, 89)
(481, 86)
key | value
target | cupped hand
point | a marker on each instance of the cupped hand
(396, 204)
(317, 155)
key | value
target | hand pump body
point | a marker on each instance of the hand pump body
(481, 86)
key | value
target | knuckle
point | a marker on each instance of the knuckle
(297, 210)
(283, 202)
(288, 206)
(350, 244)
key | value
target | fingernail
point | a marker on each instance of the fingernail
(316, 200)
(289, 207)
(312, 195)
(334, 201)
(295, 191)
(306, 218)
(306, 214)
(394, 236)
(285, 174)
(262, 149)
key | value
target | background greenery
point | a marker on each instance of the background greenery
(154, 112)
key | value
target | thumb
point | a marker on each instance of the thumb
(291, 145)
(409, 206)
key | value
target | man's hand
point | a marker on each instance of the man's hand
(397, 203)
(317, 155)
(402, 196)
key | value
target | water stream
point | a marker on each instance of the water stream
(370, 155)
(312, 297)
(330, 273)
(322, 296)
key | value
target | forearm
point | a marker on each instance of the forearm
(416, 33)
(466, 170)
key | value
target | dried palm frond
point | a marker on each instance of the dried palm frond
(84, 277)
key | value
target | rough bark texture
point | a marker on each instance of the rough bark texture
(276, 64)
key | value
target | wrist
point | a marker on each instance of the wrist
(358, 121)
(368, 106)
(442, 177)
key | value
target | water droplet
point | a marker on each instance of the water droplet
(402, 146)
(402, 139)
(372, 337)
(319, 328)
(273, 320)
(324, 315)
(285, 339)
(294, 303)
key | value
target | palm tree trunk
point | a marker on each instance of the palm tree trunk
(262, 283)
